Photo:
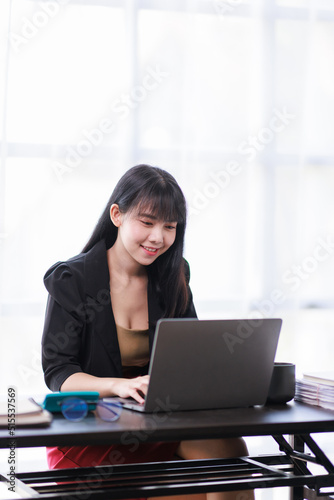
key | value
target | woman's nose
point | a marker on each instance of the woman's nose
(156, 235)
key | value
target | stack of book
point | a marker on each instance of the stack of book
(24, 413)
(316, 389)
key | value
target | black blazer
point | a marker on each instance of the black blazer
(79, 331)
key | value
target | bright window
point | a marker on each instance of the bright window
(233, 98)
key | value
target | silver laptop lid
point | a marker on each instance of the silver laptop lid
(209, 364)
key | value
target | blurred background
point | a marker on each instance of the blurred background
(234, 98)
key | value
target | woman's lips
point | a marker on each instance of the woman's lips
(150, 250)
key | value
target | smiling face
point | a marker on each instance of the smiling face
(142, 237)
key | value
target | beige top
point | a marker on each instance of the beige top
(134, 346)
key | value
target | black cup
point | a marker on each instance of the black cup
(282, 385)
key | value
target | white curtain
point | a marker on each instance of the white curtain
(233, 98)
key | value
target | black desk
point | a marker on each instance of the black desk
(288, 468)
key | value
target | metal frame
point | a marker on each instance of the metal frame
(186, 477)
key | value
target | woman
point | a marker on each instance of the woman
(103, 307)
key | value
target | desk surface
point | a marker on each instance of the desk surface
(292, 418)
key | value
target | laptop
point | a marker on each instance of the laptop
(209, 364)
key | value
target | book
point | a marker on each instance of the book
(314, 393)
(24, 413)
(326, 378)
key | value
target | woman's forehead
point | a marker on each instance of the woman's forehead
(154, 217)
(158, 210)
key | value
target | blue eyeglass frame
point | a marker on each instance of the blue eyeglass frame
(76, 409)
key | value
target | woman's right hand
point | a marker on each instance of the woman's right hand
(135, 388)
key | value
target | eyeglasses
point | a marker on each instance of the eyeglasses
(76, 409)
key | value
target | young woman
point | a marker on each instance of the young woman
(103, 306)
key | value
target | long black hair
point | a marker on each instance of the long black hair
(154, 191)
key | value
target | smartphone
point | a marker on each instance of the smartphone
(52, 402)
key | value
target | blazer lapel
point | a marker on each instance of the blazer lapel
(154, 312)
(99, 303)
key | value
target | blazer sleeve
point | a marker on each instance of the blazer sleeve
(64, 326)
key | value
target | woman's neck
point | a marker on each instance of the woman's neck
(123, 265)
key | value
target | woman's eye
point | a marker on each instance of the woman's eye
(171, 227)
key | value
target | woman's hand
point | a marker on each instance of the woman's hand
(135, 388)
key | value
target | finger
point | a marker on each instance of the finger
(144, 379)
(136, 395)
(142, 386)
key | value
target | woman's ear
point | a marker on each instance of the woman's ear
(115, 215)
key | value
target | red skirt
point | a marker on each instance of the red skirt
(91, 456)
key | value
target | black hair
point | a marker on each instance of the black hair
(155, 191)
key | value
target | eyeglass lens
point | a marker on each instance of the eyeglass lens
(74, 409)
(108, 411)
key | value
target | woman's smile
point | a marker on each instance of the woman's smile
(150, 250)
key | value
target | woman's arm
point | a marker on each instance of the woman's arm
(135, 388)
(73, 355)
